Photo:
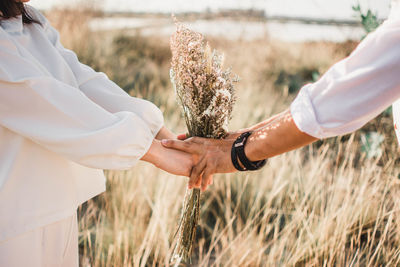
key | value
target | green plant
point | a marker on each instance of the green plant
(369, 20)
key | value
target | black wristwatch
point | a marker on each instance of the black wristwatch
(237, 153)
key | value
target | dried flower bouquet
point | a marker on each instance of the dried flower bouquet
(206, 93)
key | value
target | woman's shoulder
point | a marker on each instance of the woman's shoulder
(37, 15)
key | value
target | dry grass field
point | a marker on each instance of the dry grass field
(324, 205)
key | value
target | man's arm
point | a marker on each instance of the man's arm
(348, 95)
(278, 136)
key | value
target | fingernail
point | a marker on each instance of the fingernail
(164, 141)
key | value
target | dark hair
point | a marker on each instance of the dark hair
(11, 9)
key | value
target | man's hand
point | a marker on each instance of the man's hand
(270, 138)
(209, 155)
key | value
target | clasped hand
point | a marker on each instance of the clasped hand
(209, 156)
(197, 158)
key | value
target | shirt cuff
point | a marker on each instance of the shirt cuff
(120, 146)
(153, 117)
(302, 111)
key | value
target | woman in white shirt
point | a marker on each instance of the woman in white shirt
(61, 123)
(348, 95)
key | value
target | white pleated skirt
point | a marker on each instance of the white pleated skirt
(53, 245)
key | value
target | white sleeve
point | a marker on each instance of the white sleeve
(102, 90)
(63, 119)
(355, 90)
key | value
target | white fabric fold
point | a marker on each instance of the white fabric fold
(102, 90)
(61, 124)
(354, 90)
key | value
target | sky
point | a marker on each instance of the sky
(325, 9)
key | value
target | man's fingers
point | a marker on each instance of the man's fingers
(211, 180)
(186, 146)
(207, 177)
(199, 140)
(195, 175)
(199, 181)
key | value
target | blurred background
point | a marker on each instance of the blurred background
(282, 19)
(333, 203)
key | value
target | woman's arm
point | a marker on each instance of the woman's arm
(100, 89)
(165, 133)
(64, 120)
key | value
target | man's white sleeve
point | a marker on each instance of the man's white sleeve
(355, 90)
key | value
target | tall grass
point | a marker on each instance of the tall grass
(324, 205)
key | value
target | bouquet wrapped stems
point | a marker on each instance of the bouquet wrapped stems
(187, 227)
(206, 94)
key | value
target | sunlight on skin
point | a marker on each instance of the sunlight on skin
(277, 135)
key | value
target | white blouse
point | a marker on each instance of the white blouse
(356, 89)
(61, 123)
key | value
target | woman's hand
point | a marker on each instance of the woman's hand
(209, 156)
(172, 161)
(165, 133)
